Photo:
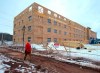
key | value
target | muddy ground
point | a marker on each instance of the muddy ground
(49, 64)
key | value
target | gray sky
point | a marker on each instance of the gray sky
(85, 12)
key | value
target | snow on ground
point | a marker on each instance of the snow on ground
(92, 47)
(3, 67)
(91, 53)
(8, 65)
(38, 47)
(9, 42)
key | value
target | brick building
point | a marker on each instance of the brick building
(43, 25)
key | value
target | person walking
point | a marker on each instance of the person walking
(28, 50)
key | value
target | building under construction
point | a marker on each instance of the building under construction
(38, 24)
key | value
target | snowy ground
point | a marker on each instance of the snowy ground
(85, 57)
(7, 65)
(7, 42)
(92, 52)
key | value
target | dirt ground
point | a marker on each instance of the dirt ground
(52, 65)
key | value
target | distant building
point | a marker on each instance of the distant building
(44, 25)
(5, 37)
(95, 41)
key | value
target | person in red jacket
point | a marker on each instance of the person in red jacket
(28, 50)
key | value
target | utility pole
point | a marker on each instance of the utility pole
(23, 29)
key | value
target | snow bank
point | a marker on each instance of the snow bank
(92, 47)
(38, 47)
(93, 54)
(9, 42)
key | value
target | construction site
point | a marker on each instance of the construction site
(59, 45)
(51, 58)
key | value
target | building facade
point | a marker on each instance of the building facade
(43, 25)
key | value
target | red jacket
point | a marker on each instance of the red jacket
(28, 47)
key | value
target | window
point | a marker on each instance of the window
(55, 15)
(65, 26)
(29, 39)
(40, 9)
(14, 40)
(65, 33)
(22, 21)
(30, 8)
(49, 12)
(30, 18)
(59, 17)
(29, 28)
(55, 39)
(49, 20)
(65, 19)
(55, 23)
(48, 39)
(49, 30)
(65, 39)
(55, 31)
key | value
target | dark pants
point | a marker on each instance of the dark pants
(27, 53)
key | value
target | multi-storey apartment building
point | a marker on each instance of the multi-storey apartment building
(44, 25)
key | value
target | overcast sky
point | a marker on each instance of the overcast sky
(85, 12)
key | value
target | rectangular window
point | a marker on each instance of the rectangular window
(30, 8)
(65, 39)
(49, 20)
(65, 33)
(29, 39)
(55, 39)
(40, 9)
(65, 26)
(49, 29)
(55, 23)
(30, 18)
(55, 31)
(29, 28)
(14, 40)
(48, 39)
(22, 21)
